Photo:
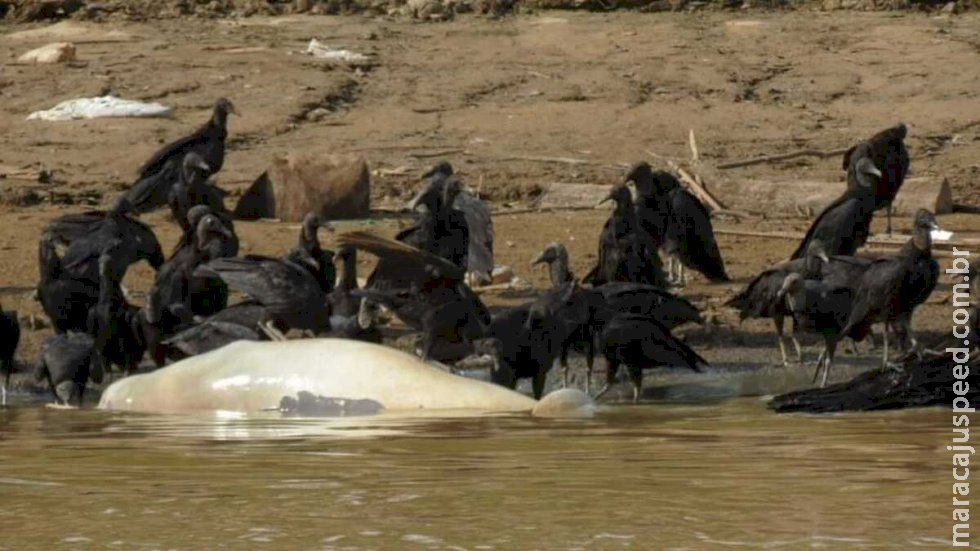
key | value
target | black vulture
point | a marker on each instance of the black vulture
(529, 339)
(588, 310)
(886, 152)
(178, 293)
(241, 321)
(845, 224)
(440, 230)
(892, 286)
(639, 343)
(817, 308)
(9, 339)
(920, 384)
(69, 357)
(479, 262)
(625, 247)
(193, 189)
(86, 235)
(576, 313)
(646, 300)
(431, 295)
(345, 308)
(114, 324)
(64, 298)
(760, 298)
(686, 234)
(289, 294)
(309, 254)
(208, 141)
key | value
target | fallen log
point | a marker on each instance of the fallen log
(794, 196)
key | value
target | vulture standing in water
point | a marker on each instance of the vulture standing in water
(65, 298)
(886, 152)
(625, 247)
(114, 323)
(193, 189)
(817, 308)
(588, 310)
(844, 225)
(892, 286)
(479, 224)
(159, 174)
(576, 315)
(309, 254)
(528, 340)
(678, 223)
(639, 342)
(69, 357)
(761, 299)
(9, 339)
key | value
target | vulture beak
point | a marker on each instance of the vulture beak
(823, 256)
(223, 230)
(606, 200)
(202, 166)
(327, 225)
(939, 234)
(541, 258)
(867, 167)
(232, 110)
(417, 200)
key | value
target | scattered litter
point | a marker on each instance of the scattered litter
(95, 108)
(56, 52)
(321, 51)
(502, 274)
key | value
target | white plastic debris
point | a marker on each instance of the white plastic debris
(941, 235)
(95, 108)
(321, 51)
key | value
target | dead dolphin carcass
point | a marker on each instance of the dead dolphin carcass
(249, 377)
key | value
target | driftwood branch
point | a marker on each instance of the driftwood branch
(874, 244)
(440, 153)
(559, 160)
(695, 155)
(784, 157)
(692, 184)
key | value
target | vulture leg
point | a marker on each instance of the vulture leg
(3, 389)
(270, 330)
(80, 388)
(611, 369)
(884, 356)
(589, 362)
(636, 376)
(796, 345)
(563, 360)
(51, 385)
(777, 320)
(830, 347)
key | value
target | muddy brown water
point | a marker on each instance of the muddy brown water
(725, 474)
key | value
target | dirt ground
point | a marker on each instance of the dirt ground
(486, 94)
